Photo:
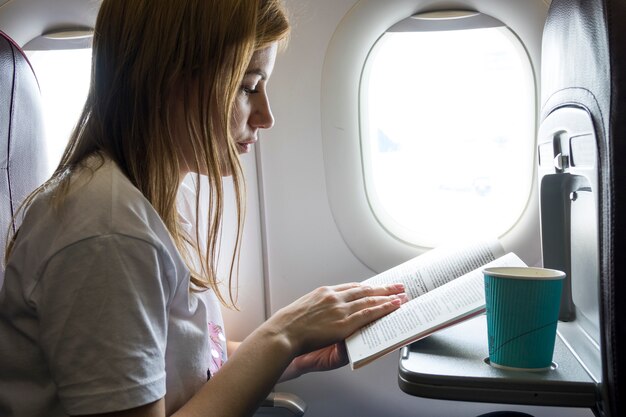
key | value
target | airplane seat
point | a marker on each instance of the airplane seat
(581, 137)
(23, 165)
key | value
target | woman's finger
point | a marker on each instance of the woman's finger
(346, 286)
(374, 301)
(361, 291)
(367, 315)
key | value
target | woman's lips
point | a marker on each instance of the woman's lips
(245, 147)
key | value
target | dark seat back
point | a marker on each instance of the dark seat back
(582, 139)
(23, 164)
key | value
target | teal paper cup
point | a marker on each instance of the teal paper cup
(522, 313)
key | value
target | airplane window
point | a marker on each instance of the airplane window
(64, 77)
(447, 121)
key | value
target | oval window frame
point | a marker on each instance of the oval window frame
(370, 242)
(445, 21)
(61, 40)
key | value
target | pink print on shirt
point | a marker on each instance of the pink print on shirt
(217, 341)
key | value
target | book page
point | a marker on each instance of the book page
(438, 266)
(448, 304)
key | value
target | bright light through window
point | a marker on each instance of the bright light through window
(447, 125)
(64, 77)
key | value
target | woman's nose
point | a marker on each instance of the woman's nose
(262, 117)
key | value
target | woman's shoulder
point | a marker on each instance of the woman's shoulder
(99, 210)
(100, 200)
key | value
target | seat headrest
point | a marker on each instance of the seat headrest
(23, 165)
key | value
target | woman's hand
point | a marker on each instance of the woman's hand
(326, 316)
(317, 323)
(324, 359)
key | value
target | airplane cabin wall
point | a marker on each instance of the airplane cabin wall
(303, 246)
(24, 20)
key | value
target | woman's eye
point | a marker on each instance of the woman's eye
(249, 89)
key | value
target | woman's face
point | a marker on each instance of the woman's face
(251, 112)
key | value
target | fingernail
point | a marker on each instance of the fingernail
(397, 287)
(402, 297)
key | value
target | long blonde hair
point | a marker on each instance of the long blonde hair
(144, 51)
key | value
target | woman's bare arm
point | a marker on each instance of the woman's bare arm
(321, 318)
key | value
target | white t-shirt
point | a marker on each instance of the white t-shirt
(96, 314)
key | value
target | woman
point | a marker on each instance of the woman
(110, 306)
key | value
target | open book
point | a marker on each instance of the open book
(445, 286)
